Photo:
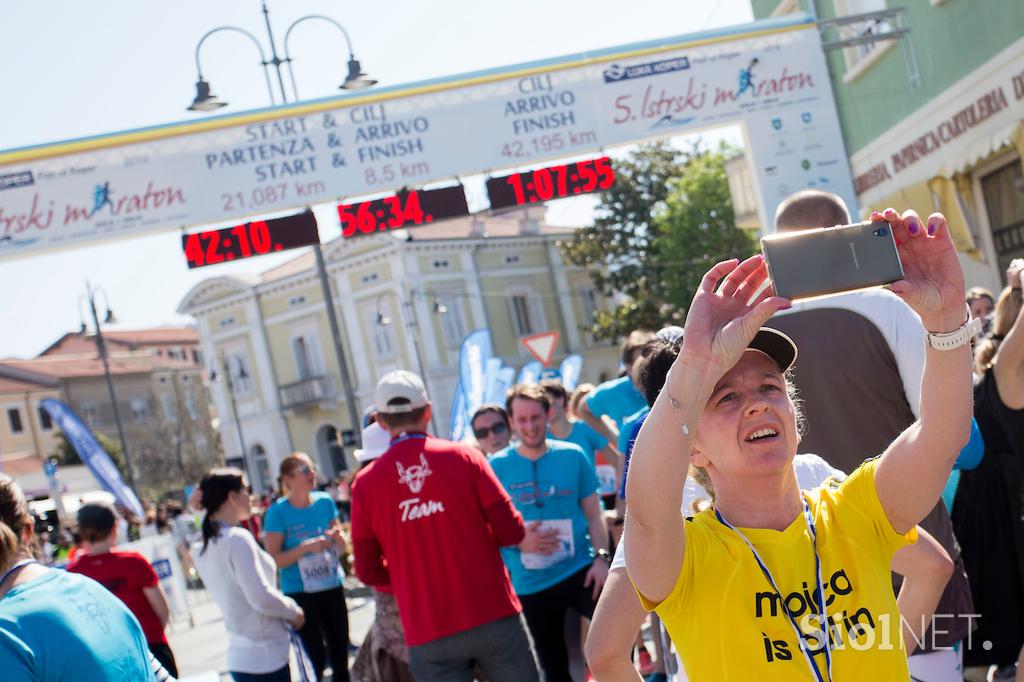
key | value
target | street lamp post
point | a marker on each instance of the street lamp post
(90, 296)
(205, 100)
(412, 325)
(229, 384)
(355, 80)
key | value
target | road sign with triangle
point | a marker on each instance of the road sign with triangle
(541, 346)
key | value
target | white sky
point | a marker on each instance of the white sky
(73, 68)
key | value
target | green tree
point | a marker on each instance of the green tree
(667, 218)
(66, 454)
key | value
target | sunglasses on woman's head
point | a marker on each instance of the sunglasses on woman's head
(484, 431)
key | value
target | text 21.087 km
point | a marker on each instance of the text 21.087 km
(268, 195)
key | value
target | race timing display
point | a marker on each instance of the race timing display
(257, 238)
(553, 182)
(403, 210)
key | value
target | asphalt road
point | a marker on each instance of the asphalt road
(200, 642)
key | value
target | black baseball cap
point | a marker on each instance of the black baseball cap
(776, 346)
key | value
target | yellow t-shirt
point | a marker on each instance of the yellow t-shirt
(727, 622)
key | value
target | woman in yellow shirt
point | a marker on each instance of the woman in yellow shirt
(772, 583)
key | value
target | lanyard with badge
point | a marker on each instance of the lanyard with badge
(319, 570)
(408, 436)
(822, 632)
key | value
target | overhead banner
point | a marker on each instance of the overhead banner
(93, 455)
(769, 75)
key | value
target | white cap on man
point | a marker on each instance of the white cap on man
(399, 392)
(376, 442)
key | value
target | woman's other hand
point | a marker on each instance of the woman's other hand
(722, 319)
(933, 281)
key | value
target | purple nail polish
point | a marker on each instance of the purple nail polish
(931, 228)
(913, 225)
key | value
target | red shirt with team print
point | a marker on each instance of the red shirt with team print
(428, 518)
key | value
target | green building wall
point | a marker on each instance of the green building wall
(950, 40)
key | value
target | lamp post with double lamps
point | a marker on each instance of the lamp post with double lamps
(355, 79)
(205, 100)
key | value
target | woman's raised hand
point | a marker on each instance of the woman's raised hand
(933, 281)
(722, 319)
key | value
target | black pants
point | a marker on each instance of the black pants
(545, 615)
(326, 619)
(163, 653)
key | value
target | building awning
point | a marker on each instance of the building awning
(938, 194)
(983, 148)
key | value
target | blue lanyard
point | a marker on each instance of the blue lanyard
(822, 632)
(15, 567)
(408, 436)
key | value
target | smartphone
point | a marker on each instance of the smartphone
(829, 260)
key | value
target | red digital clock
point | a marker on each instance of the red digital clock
(249, 239)
(554, 182)
(402, 210)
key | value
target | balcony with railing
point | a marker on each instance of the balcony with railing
(307, 391)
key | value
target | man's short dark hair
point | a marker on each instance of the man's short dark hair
(527, 392)
(402, 420)
(632, 344)
(811, 208)
(490, 408)
(96, 521)
(657, 362)
(555, 389)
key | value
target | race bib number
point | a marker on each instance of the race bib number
(606, 479)
(535, 560)
(319, 571)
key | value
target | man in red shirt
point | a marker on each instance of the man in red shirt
(428, 518)
(128, 575)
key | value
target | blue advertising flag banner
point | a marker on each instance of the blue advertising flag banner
(93, 455)
(490, 376)
(530, 373)
(473, 357)
(502, 382)
(570, 369)
(459, 422)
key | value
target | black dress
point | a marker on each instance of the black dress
(988, 516)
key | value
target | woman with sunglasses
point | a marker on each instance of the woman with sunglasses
(240, 578)
(303, 534)
(490, 428)
(773, 583)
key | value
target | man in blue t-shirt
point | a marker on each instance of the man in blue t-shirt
(617, 398)
(602, 456)
(562, 563)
